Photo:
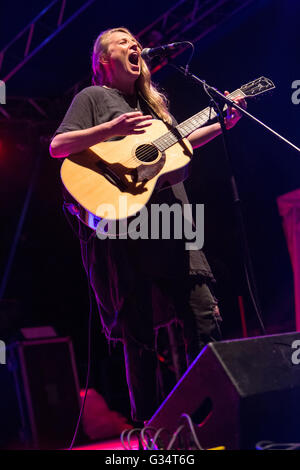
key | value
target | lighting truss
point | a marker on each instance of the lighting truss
(187, 20)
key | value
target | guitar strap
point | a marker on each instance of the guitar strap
(152, 111)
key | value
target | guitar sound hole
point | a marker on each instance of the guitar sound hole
(146, 153)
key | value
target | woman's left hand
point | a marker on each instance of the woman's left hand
(234, 115)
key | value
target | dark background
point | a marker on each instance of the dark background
(47, 284)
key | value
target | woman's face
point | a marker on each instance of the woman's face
(123, 57)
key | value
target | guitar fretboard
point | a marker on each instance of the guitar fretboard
(190, 125)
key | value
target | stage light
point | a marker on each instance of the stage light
(1, 147)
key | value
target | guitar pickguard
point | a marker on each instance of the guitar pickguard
(146, 172)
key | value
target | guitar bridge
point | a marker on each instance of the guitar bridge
(136, 178)
(112, 177)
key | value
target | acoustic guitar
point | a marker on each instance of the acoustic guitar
(113, 180)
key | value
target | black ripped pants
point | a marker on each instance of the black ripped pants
(191, 303)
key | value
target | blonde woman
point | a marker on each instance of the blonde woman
(139, 284)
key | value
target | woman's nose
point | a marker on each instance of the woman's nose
(134, 46)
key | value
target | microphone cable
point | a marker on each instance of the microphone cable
(65, 208)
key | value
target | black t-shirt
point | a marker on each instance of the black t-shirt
(153, 258)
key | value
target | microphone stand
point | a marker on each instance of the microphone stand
(216, 98)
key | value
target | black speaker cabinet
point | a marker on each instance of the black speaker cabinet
(39, 394)
(238, 393)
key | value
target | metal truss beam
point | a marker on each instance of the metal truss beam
(20, 50)
(34, 109)
(188, 20)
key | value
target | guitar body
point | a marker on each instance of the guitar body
(113, 180)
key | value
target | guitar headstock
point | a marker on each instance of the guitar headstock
(257, 87)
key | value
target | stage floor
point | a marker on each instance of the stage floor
(112, 444)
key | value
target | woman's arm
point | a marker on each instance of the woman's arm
(75, 141)
(203, 135)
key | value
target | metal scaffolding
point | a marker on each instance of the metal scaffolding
(52, 18)
(26, 44)
(187, 20)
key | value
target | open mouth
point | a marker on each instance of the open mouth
(133, 58)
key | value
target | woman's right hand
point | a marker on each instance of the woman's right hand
(76, 141)
(129, 123)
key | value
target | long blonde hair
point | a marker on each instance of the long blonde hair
(155, 99)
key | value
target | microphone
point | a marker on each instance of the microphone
(160, 51)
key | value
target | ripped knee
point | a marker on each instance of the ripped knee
(216, 313)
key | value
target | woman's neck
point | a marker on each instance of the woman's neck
(127, 88)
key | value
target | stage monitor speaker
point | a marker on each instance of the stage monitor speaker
(239, 393)
(39, 394)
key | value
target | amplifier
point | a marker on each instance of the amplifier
(39, 395)
(238, 393)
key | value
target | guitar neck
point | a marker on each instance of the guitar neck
(190, 125)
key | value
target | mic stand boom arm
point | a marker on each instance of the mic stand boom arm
(216, 98)
(223, 99)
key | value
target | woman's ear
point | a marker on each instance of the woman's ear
(103, 59)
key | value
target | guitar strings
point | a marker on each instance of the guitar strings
(145, 152)
(145, 156)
